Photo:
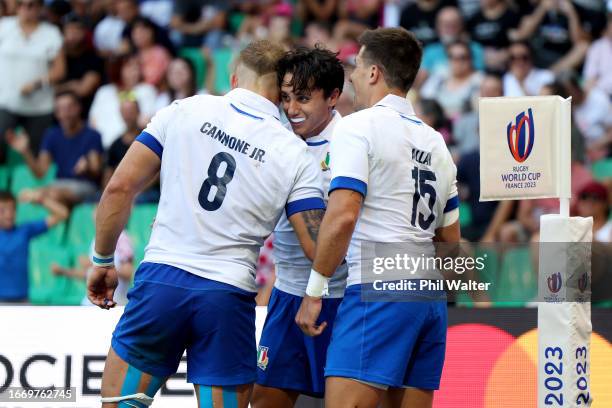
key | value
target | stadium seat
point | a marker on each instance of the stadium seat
(194, 54)
(222, 57)
(465, 214)
(43, 284)
(139, 225)
(81, 228)
(602, 169)
(4, 177)
(22, 178)
(517, 283)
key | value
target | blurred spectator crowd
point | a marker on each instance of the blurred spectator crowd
(79, 80)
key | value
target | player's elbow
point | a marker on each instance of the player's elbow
(345, 222)
(118, 187)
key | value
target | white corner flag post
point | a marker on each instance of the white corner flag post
(525, 153)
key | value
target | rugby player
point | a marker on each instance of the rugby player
(289, 362)
(393, 180)
(228, 170)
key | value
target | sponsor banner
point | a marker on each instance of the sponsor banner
(524, 147)
(564, 352)
(66, 347)
(491, 353)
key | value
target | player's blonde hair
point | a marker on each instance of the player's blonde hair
(261, 57)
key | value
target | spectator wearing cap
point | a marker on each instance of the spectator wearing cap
(555, 31)
(597, 72)
(449, 28)
(84, 69)
(522, 78)
(593, 201)
(74, 148)
(31, 61)
(105, 115)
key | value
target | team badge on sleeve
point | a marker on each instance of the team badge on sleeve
(262, 357)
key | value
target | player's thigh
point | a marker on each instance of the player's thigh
(121, 379)
(236, 396)
(343, 392)
(408, 398)
(272, 397)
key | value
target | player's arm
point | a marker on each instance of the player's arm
(337, 229)
(133, 174)
(350, 168)
(306, 225)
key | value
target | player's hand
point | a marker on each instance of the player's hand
(307, 316)
(101, 285)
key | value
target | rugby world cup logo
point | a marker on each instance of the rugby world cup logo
(521, 136)
(554, 282)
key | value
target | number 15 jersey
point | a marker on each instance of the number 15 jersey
(228, 170)
(403, 169)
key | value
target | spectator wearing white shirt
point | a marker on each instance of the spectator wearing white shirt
(522, 78)
(105, 115)
(31, 60)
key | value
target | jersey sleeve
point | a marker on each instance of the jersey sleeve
(154, 135)
(349, 158)
(307, 191)
(451, 208)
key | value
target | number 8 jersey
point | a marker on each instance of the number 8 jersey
(228, 170)
(403, 169)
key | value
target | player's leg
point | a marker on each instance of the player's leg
(273, 397)
(223, 397)
(408, 398)
(221, 352)
(425, 368)
(125, 386)
(348, 393)
(150, 337)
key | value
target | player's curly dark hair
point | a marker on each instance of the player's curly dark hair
(312, 68)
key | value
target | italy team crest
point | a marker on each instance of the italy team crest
(262, 357)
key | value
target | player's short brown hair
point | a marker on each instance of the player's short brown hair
(396, 51)
(261, 57)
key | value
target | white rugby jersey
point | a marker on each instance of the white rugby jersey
(228, 171)
(292, 266)
(403, 169)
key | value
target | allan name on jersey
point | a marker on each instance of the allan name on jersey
(232, 142)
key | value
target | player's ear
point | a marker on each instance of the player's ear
(234, 80)
(333, 98)
(375, 74)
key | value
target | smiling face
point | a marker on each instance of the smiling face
(309, 111)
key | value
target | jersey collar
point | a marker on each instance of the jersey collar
(326, 134)
(253, 101)
(398, 104)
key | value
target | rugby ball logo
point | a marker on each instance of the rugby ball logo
(554, 282)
